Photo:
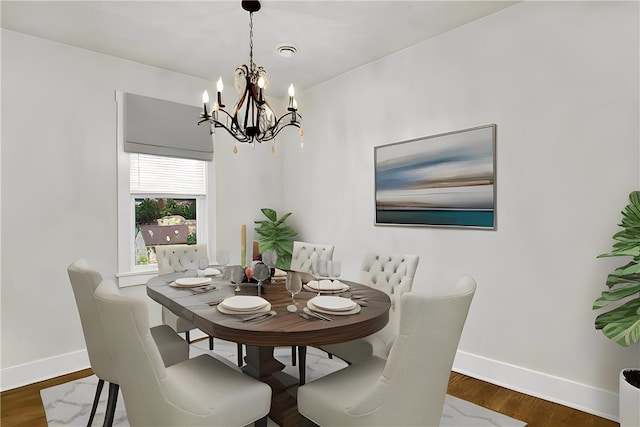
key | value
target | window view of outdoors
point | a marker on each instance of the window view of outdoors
(163, 222)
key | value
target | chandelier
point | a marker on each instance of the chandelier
(252, 118)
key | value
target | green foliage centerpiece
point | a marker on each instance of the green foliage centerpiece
(275, 234)
(622, 323)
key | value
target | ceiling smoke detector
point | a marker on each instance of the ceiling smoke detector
(286, 49)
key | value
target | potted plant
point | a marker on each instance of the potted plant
(274, 233)
(621, 323)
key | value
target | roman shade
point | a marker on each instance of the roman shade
(164, 128)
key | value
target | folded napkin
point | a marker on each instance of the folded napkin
(279, 273)
(209, 272)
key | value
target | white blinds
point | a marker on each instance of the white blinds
(151, 174)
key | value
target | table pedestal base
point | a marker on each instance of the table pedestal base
(262, 365)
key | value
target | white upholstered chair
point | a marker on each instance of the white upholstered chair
(178, 259)
(201, 391)
(84, 282)
(408, 388)
(393, 274)
(304, 257)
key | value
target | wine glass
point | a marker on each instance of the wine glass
(320, 271)
(270, 258)
(261, 273)
(293, 283)
(236, 276)
(222, 256)
(334, 268)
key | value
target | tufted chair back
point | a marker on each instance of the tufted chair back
(177, 258)
(305, 255)
(393, 274)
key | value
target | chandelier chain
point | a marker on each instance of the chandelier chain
(252, 66)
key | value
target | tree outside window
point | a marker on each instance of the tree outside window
(163, 221)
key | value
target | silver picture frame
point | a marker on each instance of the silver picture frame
(444, 180)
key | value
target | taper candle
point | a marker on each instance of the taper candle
(243, 245)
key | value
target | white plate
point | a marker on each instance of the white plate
(244, 303)
(327, 285)
(323, 291)
(192, 282)
(333, 303)
(355, 310)
(264, 309)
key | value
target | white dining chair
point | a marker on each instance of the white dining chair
(392, 273)
(202, 391)
(84, 282)
(408, 388)
(177, 259)
(305, 255)
(304, 258)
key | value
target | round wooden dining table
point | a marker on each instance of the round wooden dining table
(285, 328)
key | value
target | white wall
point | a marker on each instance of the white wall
(59, 190)
(560, 80)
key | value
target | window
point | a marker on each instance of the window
(161, 200)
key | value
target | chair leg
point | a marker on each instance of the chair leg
(96, 399)
(111, 404)
(302, 363)
(262, 422)
(210, 343)
(293, 355)
(240, 355)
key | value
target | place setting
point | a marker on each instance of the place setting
(249, 306)
(195, 285)
(326, 286)
(335, 305)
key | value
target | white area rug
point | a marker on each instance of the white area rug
(69, 404)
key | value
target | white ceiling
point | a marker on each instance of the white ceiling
(209, 39)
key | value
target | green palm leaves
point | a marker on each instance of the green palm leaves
(274, 234)
(622, 323)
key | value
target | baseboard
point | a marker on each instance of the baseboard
(43, 369)
(585, 398)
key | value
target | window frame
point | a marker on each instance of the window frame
(130, 274)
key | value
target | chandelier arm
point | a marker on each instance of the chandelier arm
(234, 131)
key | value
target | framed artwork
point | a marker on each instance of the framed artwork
(445, 180)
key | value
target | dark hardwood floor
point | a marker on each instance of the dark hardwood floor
(22, 407)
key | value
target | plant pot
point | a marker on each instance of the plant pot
(629, 398)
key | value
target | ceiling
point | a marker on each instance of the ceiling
(209, 39)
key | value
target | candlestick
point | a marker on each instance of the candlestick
(220, 86)
(243, 245)
(292, 93)
(205, 101)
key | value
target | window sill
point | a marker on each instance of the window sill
(135, 278)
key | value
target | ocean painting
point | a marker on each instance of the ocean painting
(445, 180)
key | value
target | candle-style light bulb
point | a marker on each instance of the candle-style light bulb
(205, 101)
(261, 86)
(292, 93)
(220, 86)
